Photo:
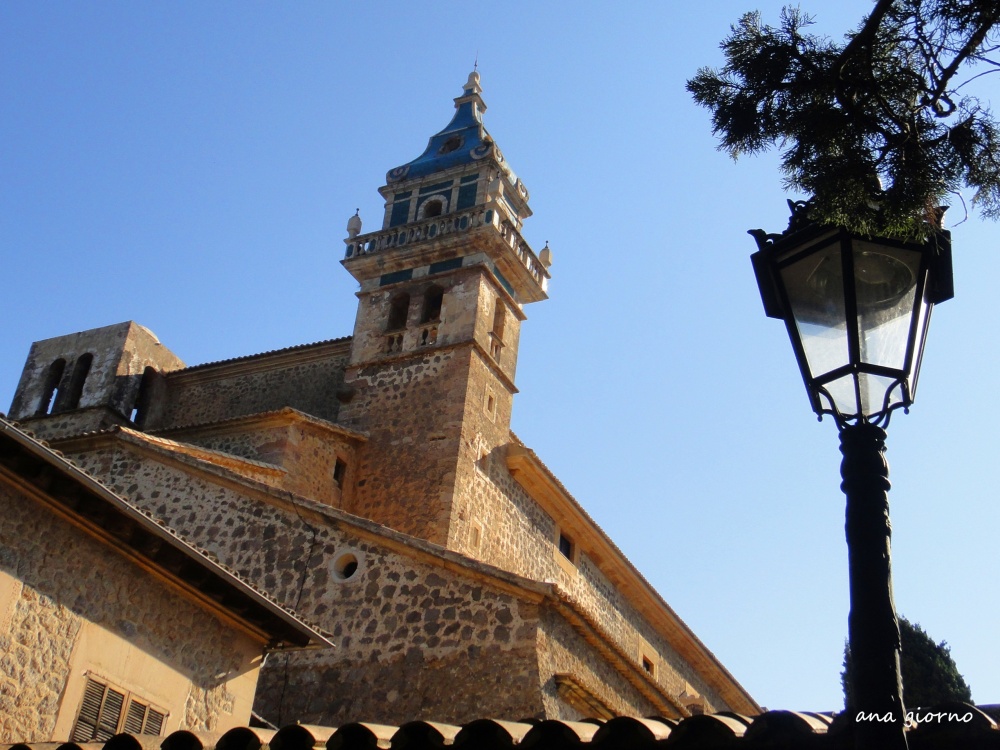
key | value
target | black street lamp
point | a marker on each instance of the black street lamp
(857, 310)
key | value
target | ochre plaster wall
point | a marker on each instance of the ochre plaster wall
(72, 606)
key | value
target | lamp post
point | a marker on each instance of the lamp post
(857, 310)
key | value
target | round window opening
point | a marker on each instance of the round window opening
(452, 144)
(345, 566)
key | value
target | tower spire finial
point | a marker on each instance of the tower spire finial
(475, 65)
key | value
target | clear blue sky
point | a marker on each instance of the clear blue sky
(192, 166)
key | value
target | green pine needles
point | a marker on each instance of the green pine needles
(879, 129)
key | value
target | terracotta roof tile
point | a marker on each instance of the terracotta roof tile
(772, 730)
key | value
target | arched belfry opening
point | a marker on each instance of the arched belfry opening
(433, 298)
(50, 392)
(433, 206)
(74, 392)
(145, 397)
(399, 310)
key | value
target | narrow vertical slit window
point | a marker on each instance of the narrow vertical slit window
(648, 666)
(339, 472)
(499, 318)
(496, 334)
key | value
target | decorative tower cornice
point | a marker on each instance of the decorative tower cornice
(458, 203)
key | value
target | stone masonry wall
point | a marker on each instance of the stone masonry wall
(511, 528)
(120, 354)
(306, 379)
(456, 322)
(307, 452)
(487, 297)
(413, 641)
(69, 578)
(414, 400)
(392, 618)
(397, 622)
(563, 650)
(518, 535)
(265, 545)
(411, 410)
(75, 422)
(491, 517)
(515, 533)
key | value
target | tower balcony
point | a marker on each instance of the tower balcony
(463, 236)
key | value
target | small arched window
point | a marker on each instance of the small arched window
(80, 371)
(433, 297)
(433, 206)
(399, 310)
(51, 390)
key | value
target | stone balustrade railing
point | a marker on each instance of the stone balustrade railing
(462, 221)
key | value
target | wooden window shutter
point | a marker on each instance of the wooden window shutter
(154, 722)
(141, 719)
(99, 714)
(104, 713)
(135, 717)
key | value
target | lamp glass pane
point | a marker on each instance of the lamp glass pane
(815, 288)
(844, 395)
(873, 390)
(885, 284)
(919, 342)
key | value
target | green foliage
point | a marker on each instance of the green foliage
(874, 128)
(928, 671)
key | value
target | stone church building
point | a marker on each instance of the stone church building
(371, 484)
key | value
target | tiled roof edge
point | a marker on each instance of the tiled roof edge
(247, 357)
(392, 538)
(787, 729)
(215, 457)
(289, 410)
(151, 525)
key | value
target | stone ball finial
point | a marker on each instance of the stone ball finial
(545, 256)
(354, 225)
(472, 85)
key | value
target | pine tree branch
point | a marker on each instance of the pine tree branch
(967, 51)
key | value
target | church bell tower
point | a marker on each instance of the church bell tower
(434, 352)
